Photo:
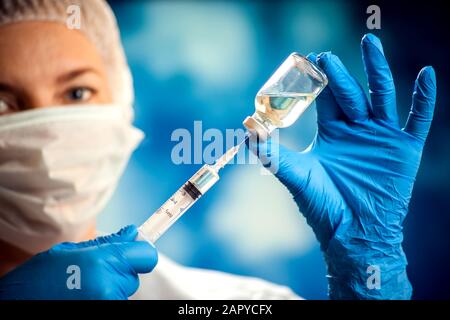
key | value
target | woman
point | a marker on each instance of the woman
(66, 136)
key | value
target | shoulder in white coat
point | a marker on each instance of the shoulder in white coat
(170, 280)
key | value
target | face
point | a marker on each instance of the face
(44, 64)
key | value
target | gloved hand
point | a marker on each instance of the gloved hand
(354, 182)
(108, 268)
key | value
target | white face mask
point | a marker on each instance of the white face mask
(58, 168)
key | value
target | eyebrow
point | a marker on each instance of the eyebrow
(76, 73)
(5, 87)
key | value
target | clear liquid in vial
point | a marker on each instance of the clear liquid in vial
(282, 109)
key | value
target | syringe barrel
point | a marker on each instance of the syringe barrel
(178, 204)
(169, 213)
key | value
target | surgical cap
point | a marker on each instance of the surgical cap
(97, 22)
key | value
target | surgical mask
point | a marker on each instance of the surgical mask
(59, 167)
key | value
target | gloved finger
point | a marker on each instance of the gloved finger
(125, 261)
(312, 57)
(423, 102)
(287, 165)
(326, 105)
(379, 76)
(141, 256)
(126, 234)
(346, 90)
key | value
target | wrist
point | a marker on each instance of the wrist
(361, 269)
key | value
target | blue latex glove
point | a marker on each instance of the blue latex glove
(108, 266)
(354, 183)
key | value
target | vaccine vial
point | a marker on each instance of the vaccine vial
(286, 95)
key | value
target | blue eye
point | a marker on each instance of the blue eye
(79, 94)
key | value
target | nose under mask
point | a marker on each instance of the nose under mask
(59, 167)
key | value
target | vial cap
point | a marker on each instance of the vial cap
(254, 126)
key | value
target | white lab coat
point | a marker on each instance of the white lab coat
(170, 280)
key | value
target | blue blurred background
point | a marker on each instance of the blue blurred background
(198, 60)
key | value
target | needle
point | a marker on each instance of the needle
(229, 154)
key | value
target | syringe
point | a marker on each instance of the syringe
(278, 104)
(185, 197)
